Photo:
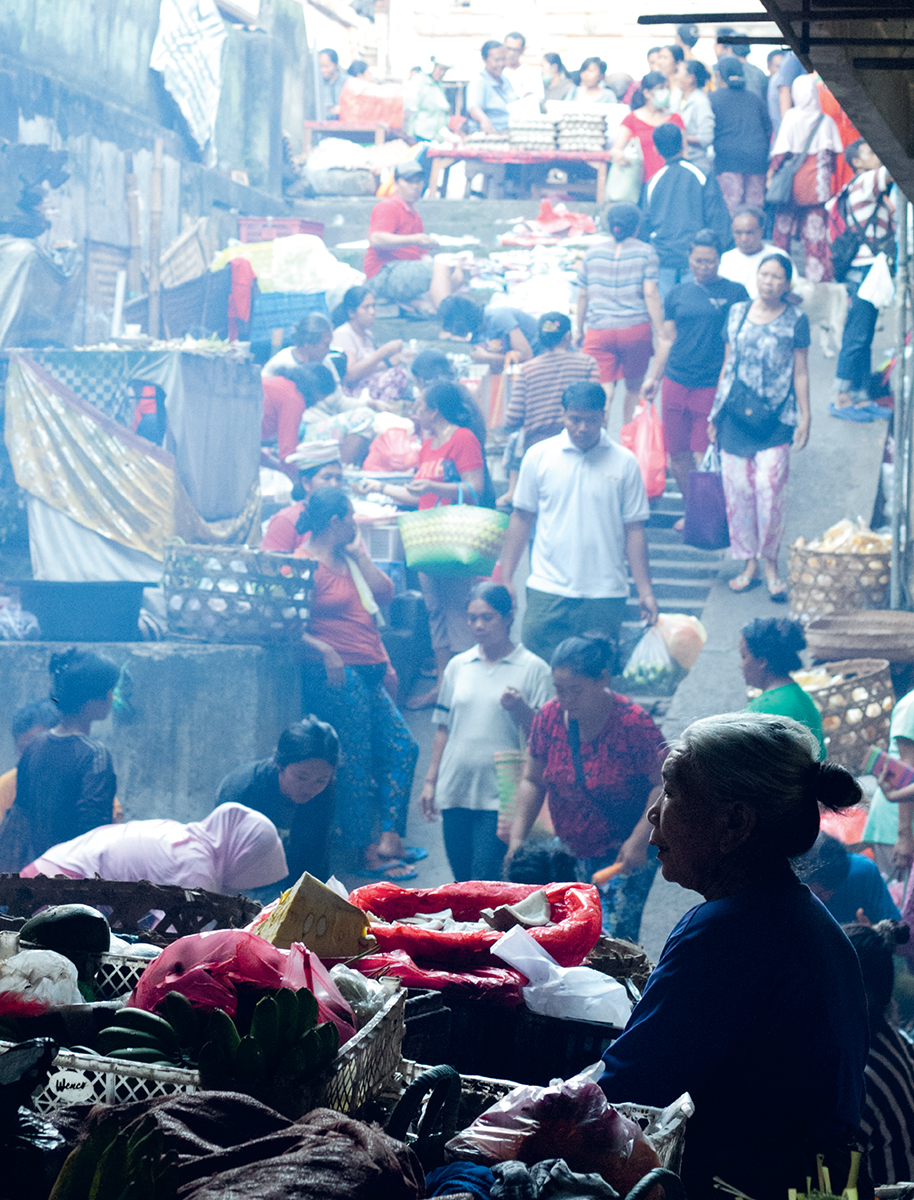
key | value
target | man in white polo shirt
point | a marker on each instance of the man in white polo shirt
(586, 497)
(741, 264)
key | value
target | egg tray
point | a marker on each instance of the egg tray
(856, 710)
(233, 594)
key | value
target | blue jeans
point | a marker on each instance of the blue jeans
(473, 850)
(670, 276)
(624, 897)
(852, 373)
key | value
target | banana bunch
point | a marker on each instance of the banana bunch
(285, 1043)
(141, 1037)
(133, 1163)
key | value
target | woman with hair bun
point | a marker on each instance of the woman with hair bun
(486, 702)
(769, 650)
(345, 687)
(65, 784)
(756, 1007)
(619, 309)
(596, 756)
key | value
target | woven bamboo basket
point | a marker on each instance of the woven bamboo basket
(856, 709)
(886, 634)
(823, 583)
(232, 594)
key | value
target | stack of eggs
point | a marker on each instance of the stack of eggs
(532, 133)
(494, 143)
(582, 129)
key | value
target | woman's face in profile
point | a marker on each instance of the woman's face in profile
(687, 833)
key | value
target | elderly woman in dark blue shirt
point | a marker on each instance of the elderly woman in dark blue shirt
(756, 1007)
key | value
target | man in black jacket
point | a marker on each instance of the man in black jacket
(680, 201)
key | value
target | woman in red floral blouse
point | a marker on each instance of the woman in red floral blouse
(597, 757)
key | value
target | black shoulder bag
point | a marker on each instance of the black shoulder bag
(748, 408)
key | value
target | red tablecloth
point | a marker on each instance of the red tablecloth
(519, 156)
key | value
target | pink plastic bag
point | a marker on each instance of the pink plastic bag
(571, 1120)
(643, 435)
(395, 450)
(206, 966)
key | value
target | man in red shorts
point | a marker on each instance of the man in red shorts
(690, 354)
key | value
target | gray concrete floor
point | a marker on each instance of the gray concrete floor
(836, 476)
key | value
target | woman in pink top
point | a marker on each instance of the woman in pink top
(641, 125)
(232, 850)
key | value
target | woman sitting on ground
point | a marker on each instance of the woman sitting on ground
(769, 649)
(232, 850)
(756, 1007)
(376, 368)
(65, 784)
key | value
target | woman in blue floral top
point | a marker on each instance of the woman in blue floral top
(761, 409)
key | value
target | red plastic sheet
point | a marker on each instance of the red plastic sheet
(500, 986)
(575, 909)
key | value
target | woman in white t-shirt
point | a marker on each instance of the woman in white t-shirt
(488, 697)
(376, 368)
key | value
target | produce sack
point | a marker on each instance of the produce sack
(575, 907)
(650, 667)
(205, 967)
(499, 986)
(394, 450)
(643, 435)
(683, 636)
(571, 1120)
(569, 993)
(706, 510)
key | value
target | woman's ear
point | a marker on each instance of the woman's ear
(739, 824)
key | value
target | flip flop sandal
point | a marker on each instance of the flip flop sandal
(411, 854)
(382, 873)
(851, 413)
(780, 596)
(746, 586)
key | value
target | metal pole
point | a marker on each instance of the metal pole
(908, 454)
(900, 425)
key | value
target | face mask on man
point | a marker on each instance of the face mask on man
(661, 97)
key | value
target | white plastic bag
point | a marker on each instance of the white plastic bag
(650, 665)
(571, 993)
(878, 287)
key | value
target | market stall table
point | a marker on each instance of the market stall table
(444, 157)
(343, 128)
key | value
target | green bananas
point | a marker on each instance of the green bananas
(139, 1036)
(284, 1043)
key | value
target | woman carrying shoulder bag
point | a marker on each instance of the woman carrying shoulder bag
(812, 136)
(761, 409)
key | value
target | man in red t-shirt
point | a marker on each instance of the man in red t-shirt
(397, 266)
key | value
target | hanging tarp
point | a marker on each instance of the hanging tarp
(85, 465)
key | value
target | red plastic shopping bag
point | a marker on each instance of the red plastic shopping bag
(205, 967)
(643, 435)
(394, 450)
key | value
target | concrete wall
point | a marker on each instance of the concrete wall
(198, 711)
